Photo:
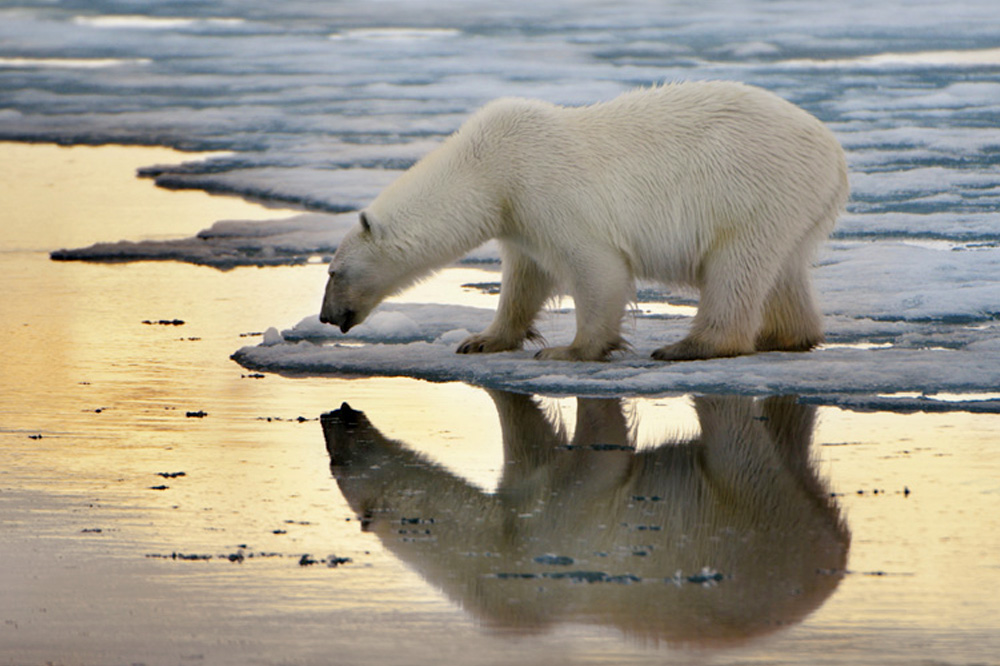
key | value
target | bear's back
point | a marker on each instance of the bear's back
(718, 122)
(660, 172)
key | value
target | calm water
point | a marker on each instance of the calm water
(160, 505)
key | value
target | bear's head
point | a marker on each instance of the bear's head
(435, 212)
(359, 277)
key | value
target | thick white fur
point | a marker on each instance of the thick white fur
(717, 185)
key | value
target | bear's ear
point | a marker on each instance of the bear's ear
(366, 224)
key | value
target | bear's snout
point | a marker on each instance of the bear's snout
(345, 319)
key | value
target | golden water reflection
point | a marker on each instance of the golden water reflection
(707, 541)
(56, 197)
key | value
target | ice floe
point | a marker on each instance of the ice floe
(419, 340)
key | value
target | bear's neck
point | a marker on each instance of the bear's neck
(440, 210)
(426, 247)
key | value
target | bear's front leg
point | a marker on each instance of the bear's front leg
(524, 287)
(602, 287)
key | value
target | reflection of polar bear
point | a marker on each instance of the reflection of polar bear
(713, 540)
(721, 186)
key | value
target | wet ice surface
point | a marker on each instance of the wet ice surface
(323, 106)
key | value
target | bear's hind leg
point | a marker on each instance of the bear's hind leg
(524, 288)
(733, 286)
(791, 320)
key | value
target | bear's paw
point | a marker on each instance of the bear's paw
(692, 349)
(571, 353)
(481, 343)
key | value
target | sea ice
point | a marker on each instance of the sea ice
(418, 340)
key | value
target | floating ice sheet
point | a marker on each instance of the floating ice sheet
(227, 244)
(419, 340)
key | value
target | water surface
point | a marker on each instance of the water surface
(161, 505)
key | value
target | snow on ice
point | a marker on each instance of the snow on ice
(320, 105)
(863, 364)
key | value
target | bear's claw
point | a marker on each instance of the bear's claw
(470, 347)
(484, 344)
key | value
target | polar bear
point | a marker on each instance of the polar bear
(717, 185)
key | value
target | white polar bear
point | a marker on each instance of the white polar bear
(717, 185)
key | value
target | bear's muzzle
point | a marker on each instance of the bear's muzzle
(345, 319)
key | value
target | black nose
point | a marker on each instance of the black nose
(323, 319)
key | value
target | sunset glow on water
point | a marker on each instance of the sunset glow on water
(158, 499)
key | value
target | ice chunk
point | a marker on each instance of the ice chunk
(397, 323)
(272, 337)
(391, 326)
